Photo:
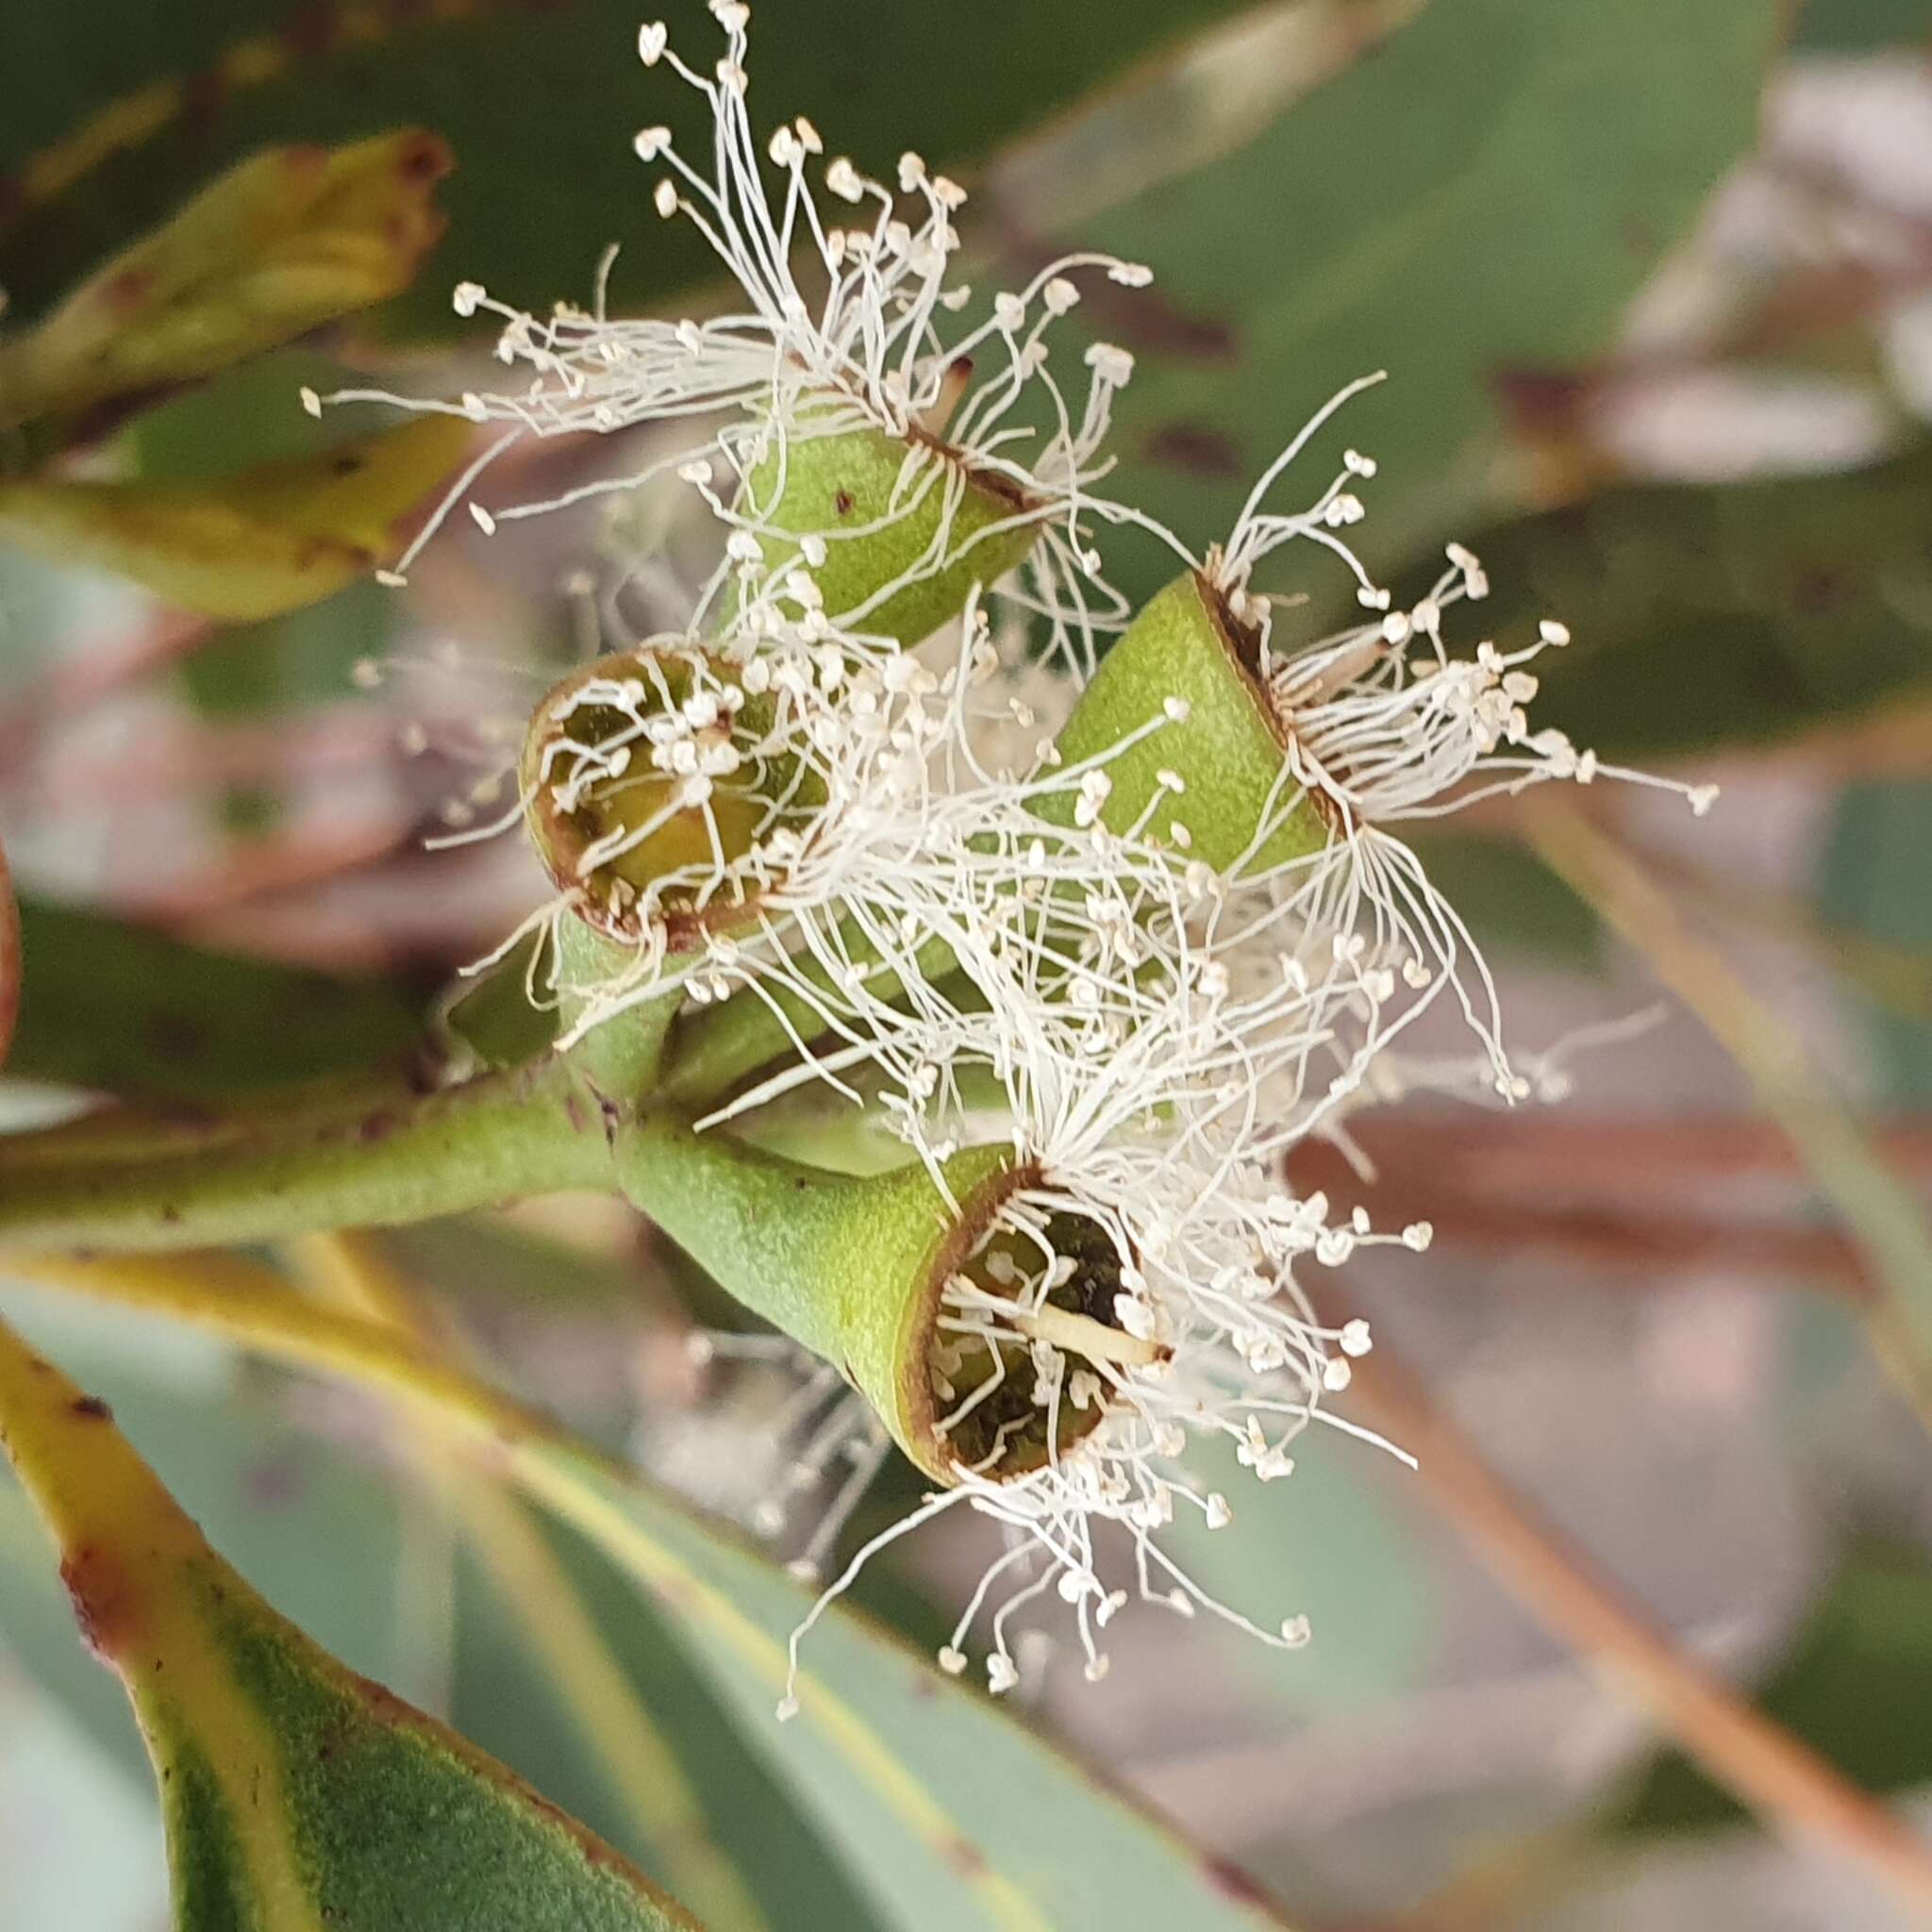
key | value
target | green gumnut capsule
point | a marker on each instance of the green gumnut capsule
(654, 789)
(857, 1268)
(1187, 657)
(907, 528)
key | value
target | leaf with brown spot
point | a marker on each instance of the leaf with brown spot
(288, 239)
(296, 1795)
(898, 1766)
(268, 539)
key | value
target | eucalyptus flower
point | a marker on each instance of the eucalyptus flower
(845, 405)
(1133, 1290)
(1305, 764)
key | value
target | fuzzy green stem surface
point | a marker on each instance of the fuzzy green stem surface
(850, 1266)
(621, 1057)
(536, 1129)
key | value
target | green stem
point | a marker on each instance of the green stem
(714, 1048)
(535, 1129)
(139, 1130)
(623, 1057)
(754, 1221)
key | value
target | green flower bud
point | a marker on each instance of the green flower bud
(1190, 657)
(654, 786)
(869, 1272)
(894, 531)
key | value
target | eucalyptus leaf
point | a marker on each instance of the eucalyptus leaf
(1707, 616)
(118, 1007)
(954, 1817)
(507, 1706)
(37, 1635)
(236, 1451)
(251, 413)
(290, 239)
(111, 113)
(296, 1795)
(1856, 1684)
(1511, 901)
(1475, 200)
(9, 959)
(1871, 882)
(1329, 1544)
(270, 1491)
(491, 1018)
(264, 541)
(947, 1813)
(1862, 26)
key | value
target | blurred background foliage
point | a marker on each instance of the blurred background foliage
(1654, 287)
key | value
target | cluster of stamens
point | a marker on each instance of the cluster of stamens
(798, 810)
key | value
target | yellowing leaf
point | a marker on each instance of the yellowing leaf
(954, 1818)
(298, 1797)
(269, 538)
(290, 239)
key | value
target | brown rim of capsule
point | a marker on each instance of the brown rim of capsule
(1079, 1320)
(929, 432)
(1241, 641)
(611, 900)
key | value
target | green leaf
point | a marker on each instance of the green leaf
(233, 1447)
(1860, 26)
(266, 540)
(509, 1710)
(296, 1795)
(266, 1489)
(489, 1017)
(109, 114)
(132, 1011)
(1707, 616)
(37, 1635)
(1872, 883)
(306, 657)
(1511, 900)
(1329, 1543)
(251, 413)
(1477, 198)
(954, 1818)
(290, 239)
(9, 959)
(1856, 1685)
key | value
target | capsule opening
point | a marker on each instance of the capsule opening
(1027, 1350)
(659, 795)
